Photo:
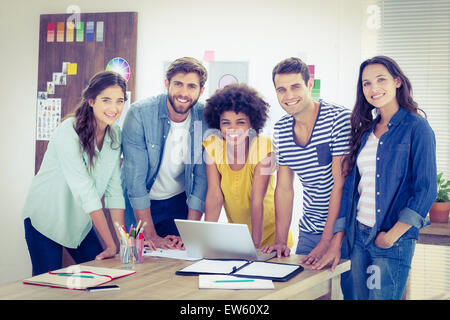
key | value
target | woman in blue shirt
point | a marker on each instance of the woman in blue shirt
(80, 166)
(388, 190)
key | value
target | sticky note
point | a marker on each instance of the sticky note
(90, 31)
(60, 32)
(50, 32)
(208, 56)
(99, 32)
(72, 69)
(80, 31)
(70, 31)
(316, 84)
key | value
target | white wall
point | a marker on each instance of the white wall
(325, 33)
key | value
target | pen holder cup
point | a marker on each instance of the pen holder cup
(127, 256)
(138, 251)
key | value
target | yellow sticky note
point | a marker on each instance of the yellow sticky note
(72, 69)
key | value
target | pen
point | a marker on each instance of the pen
(75, 275)
(121, 233)
(131, 228)
(141, 246)
(217, 281)
(138, 226)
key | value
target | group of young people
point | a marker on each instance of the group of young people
(368, 175)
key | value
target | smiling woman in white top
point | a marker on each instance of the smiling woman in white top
(80, 166)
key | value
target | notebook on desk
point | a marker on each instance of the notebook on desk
(242, 269)
(215, 240)
(77, 277)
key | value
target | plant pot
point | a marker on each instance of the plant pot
(439, 212)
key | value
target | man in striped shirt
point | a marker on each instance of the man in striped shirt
(310, 141)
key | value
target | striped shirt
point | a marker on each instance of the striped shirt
(366, 163)
(312, 162)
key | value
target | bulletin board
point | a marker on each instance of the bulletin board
(71, 51)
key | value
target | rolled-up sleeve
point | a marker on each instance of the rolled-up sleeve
(135, 163)
(346, 203)
(339, 224)
(424, 176)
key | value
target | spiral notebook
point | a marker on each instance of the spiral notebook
(77, 277)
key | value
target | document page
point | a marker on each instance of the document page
(214, 266)
(265, 269)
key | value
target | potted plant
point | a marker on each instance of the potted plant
(440, 210)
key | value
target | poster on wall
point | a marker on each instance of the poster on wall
(223, 73)
(121, 66)
(48, 116)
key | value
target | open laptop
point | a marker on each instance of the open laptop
(215, 240)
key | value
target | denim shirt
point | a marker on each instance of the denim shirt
(405, 186)
(145, 129)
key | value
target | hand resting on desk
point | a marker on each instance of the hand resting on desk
(281, 249)
(168, 242)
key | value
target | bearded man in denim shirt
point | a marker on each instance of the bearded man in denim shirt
(163, 172)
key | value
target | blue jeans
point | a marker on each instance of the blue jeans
(307, 242)
(163, 214)
(46, 254)
(377, 273)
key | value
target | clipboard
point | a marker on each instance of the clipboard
(274, 271)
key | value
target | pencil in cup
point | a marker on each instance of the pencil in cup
(131, 244)
(138, 247)
(127, 255)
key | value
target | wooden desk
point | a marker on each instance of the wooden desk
(155, 279)
(436, 233)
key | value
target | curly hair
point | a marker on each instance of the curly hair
(237, 98)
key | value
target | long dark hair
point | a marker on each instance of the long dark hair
(85, 124)
(362, 117)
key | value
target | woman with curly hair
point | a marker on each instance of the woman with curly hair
(80, 166)
(240, 163)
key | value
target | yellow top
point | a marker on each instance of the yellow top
(237, 185)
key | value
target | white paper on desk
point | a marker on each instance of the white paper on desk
(169, 253)
(266, 269)
(208, 281)
(214, 266)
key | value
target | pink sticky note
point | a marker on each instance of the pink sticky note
(208, 56)
(50, 32)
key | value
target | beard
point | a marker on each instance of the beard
(181, 110)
